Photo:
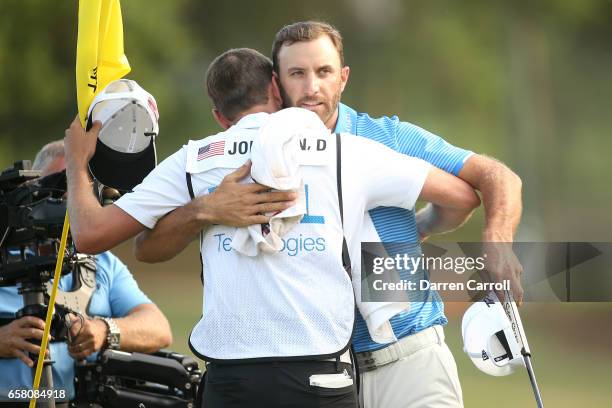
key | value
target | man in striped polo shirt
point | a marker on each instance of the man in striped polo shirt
(419, 369)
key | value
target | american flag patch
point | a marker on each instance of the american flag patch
(213, 149)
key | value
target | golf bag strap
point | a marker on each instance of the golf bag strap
(189, 185)
(192, 195)
(346, 259)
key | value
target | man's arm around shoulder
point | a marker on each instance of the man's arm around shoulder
(231, 204)
(501, 191)
(451, 202)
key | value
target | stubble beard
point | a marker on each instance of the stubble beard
(326, 115)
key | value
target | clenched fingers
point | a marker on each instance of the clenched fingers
(24, 357)
(30, 333)
(23, 347)
(31, 321)
(79, 351)
(76, 325)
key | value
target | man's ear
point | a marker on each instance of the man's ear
(276, 90)
(344, 76)
(221, 120)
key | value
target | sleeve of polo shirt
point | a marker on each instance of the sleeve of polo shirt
(123, 291)
(163, 190)
(384, 177)
(418, 142)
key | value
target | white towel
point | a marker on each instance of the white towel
(377, 315)
(268, 237)
(276, 163)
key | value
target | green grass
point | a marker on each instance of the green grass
(568, 375)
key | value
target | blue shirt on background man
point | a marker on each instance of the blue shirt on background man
(116, 294)
(398, 225)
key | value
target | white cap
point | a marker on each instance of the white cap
(488, 338)
(125, 152)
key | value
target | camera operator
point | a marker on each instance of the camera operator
(135, 323)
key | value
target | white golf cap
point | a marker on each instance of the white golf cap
(125, 151)
(488, 338)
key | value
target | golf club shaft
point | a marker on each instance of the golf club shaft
(519, 332)
(534, 384)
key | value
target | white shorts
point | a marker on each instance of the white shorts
(424, 378)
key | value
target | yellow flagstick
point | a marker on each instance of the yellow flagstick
(100, 60)
(45, 339)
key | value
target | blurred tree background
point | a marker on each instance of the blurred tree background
(529, 83)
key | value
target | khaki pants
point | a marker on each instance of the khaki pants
(425, 377)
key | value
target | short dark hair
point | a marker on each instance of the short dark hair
(305, 31)
(237, 80)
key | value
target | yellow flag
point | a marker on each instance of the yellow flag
(100, 58)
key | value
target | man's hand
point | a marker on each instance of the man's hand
(94, 228)
(232, 203)
(502, 265)
(87, 336)
(144, 329)
(80, 145)
(14, 338)
(237, 204)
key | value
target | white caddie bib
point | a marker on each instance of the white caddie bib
(295, 303)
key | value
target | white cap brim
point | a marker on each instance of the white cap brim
(488, 340)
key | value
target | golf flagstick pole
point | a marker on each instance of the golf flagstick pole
(519, 333)
(50, 309)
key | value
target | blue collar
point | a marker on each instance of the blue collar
(347, 120)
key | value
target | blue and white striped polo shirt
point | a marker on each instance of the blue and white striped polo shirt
(397, 224)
